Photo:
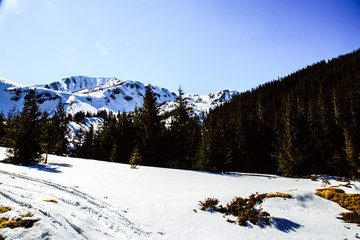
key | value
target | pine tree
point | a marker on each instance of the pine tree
(77, 142)
(285, 144)
(50, 140)
(60, 121)
(135, 157)
(2, 127)
(186, 133)
(151, 130)
(87, 149)
(23, 133)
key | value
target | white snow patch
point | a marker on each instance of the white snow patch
(103, 200)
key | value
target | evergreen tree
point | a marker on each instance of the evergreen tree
(87, 149)
(125, 138)
(50, 140)
(2, 127)
(151, 130)
(186, 133)
(135, 157)
(60, 121)
(285, 143)
(77, 142)
(23, 133)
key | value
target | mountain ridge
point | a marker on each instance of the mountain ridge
(92, 94)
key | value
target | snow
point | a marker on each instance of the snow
(90, 94)
(202, 103)
(82, 93)
(6, 83)
(104, 200)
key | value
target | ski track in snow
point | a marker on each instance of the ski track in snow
(114, 223)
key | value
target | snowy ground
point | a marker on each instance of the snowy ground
(102, 200)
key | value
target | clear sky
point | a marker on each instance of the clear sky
(202, 45)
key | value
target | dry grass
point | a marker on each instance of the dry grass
(347, 185)
(4, 209)
(345, 200)
(26, 215)
(350, 217)
(15, 223)
(210, 204)
(245, 209)
(51, 200)
(278, 194)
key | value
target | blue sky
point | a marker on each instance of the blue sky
(202, 45)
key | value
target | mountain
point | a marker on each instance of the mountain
(202, 103)
(89, 94)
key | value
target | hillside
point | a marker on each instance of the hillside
(89, 94)
(102, 200)
(304, 123)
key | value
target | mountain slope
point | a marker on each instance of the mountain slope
(304, 123)
(203, 103)
(104, 200)
(89, 94)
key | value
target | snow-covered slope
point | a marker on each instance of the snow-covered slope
(89, 94)
(77, 83)
(83, 94)
(6, 95)
(202, 103)
(103, 200)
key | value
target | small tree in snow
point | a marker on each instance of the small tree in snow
(135, 157)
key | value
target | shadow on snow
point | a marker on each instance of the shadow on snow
(238, 174)
(284, 225)
(51, 167)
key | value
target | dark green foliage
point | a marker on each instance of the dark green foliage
(50, 140)
(151, 130)
(307, 122)
(77, 142)
(55, 132)
(61, 133)
(87, 149)
(185, 131)
(24, 133)
(79, 117)
(2, 127)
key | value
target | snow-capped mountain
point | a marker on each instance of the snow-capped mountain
(202, 103)
(89, 94)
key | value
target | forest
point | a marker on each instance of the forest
(304, 123)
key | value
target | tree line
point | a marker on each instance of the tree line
(154, 139)
(304, 123)
(30, 133)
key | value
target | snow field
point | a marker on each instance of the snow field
(103, 200)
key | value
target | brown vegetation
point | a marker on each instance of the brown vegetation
(345, 200)
(245, 209)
